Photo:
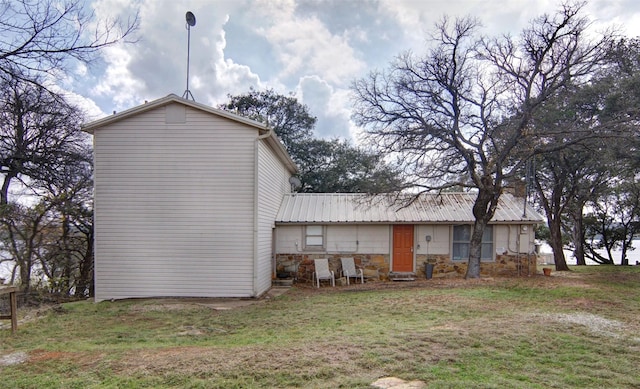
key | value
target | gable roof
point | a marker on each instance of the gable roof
(270, 136)
(443, 208)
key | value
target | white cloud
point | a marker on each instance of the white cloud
(305, 46)
(156, 65)
(329, 104)
(316, 48)
(118, 82)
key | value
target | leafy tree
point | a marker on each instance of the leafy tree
(569, 178)
(336, 166)
(325, 165)
(290, 120)
(582, 174)
(565, 181)
(614, 222)
(461, 114)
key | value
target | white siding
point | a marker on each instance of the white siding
(272, 185)
(440, 239)
(514, 239)
(341, 239)
(174, 205)
(376, 239)
(286, 239)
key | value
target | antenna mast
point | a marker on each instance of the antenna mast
(191, 21)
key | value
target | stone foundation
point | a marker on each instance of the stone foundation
(504, 265)
(301, 266)
(376, 266)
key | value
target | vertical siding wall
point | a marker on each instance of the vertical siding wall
(174, 205)
(272, 184)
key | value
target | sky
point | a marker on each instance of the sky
(313, 48)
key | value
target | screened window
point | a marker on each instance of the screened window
(462, 239)
(314, 237)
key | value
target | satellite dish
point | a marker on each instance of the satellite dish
(295, 182)
(191, 18)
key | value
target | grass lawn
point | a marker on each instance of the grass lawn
(575, 330)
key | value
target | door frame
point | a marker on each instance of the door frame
(413, 250)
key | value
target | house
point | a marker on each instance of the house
(390, 235)
(185, 200)
(192, 201)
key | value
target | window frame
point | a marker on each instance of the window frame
(486, 242)
(322, 234)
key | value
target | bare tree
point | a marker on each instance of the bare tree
(67, 258)
(39, 134)
(39, 37)
(461, 114)
(24, 231)
(44, 152)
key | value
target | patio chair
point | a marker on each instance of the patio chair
(322, 272)
(349, 270)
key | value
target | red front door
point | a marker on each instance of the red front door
(402, 248)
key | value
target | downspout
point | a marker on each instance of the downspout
(255, 208)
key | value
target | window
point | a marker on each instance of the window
(314, 237)
(462, 239)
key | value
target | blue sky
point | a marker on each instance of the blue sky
(314, 48)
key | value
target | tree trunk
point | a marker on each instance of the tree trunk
(483, 210)
(25, 276)
(84, 285)
(578, 236)
(475, 250)
(555, 239)
(4, 191)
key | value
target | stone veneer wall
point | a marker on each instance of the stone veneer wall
(376, 266)
(504, 265)
(301, 265)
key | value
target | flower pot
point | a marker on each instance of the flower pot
(428, 270)
(546, 271)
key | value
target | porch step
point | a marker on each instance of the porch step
(402, 276)
(282, 282)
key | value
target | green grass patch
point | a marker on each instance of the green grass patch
(572, 330)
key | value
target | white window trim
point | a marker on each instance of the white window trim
(322, 235)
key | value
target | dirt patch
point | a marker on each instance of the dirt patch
(38, 356)
(217, 304)
(597, 325)
(80, 359)
(13, 358)
(397, 383)
(210, 361)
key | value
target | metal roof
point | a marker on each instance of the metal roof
(443, 208)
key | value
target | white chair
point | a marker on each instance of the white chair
(322, 272)
(349, 269)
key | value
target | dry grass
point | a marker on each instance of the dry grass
(571, 330)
